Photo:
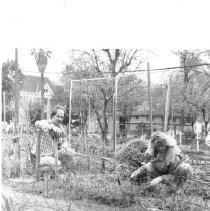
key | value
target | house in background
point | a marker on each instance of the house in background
(139, 121)
(30, 91)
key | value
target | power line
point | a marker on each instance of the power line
(179, 67)
(156, 69)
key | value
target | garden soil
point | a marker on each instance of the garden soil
(40, 203)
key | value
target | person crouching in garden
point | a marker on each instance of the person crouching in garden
(56, 131)
(165, 162)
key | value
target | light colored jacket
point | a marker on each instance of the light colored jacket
(173, 158)
(49, 135)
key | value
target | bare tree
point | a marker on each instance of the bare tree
(188, 60)
(195, 89)
(104, 63)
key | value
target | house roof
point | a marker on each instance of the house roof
(33, 83)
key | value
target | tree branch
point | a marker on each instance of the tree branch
(127, 63)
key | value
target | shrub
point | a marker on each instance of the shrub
(11, 168)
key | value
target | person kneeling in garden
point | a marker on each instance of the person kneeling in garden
(57, 132)
(165, 163)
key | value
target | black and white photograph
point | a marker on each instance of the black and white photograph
(105, 105)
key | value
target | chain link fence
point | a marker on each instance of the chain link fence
(96, 179)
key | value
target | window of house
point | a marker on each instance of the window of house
(188, 119)
(46, 90)
(174, 119)
(137, 116)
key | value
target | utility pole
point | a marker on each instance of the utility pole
(114, 120)
(167, 105)
(114, 116)
(183, 64)
(149, 99)
(16, 90)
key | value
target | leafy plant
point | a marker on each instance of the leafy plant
(11, 168)
(8, 204)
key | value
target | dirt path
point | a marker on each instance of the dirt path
(39, 203)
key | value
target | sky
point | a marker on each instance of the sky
(84, 23)
(27, 63)
(60, 25)
(60, 57)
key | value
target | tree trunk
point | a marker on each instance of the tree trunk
(205, 118)
(104, 137)
(102, 127)
(182, 120)
(206, 128)
(80, 117)
(105, 129)
(42, 95)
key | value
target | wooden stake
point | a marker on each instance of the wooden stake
(16, 90)
(70, 96)
(149, 99)
(4, 101)
(38, 155)
(180, 137)
(167, 105)
(55, 146)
